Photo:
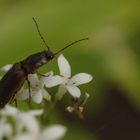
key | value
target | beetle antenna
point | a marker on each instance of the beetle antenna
(38, 30)
(71, 45)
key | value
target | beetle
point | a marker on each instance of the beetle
(14, 79)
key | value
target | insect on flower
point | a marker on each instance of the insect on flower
(14, 79)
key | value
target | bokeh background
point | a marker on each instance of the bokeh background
(111, 55)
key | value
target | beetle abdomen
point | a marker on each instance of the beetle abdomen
(11, 83)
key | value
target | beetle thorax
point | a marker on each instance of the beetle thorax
(33, 62)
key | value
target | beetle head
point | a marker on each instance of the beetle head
(49, 55)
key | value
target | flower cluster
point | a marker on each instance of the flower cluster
(24, 126)
(66, 82)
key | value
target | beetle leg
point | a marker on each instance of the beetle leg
(42, 74)
(29, 85)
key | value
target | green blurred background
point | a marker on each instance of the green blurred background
(111, 55)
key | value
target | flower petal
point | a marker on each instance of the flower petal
(53, 81)
(81, 78)
(28, 123)
(5, 128)
(33, 78)
(74, 91)
(9, 111)
(36, 112)
(43, 79)
(23, 137)
(6, 68)
(64, 66)
(37, 96)
(53, 132)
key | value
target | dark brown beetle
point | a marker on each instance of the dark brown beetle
(14, 79)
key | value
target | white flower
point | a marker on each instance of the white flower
(68, 83)
(24, 136)
(53, 132)
(23, 120)
(6, 68)
(26, 126)
(5, 129)
(37, 90)
(9, 111)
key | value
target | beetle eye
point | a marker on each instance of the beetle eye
(49, 55)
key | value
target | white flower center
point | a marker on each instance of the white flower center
(67, 81)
